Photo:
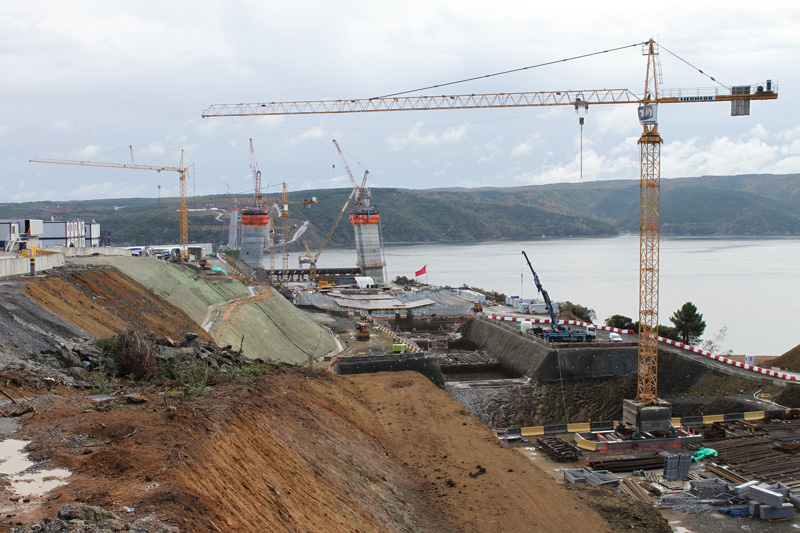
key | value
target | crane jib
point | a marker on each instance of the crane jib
(581, 98)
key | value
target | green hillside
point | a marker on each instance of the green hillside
(709, 205)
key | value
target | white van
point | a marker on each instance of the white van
(614, 337)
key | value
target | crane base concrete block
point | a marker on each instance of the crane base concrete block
(647, 418)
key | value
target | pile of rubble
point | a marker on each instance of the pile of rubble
(82, 518)
(71, 361)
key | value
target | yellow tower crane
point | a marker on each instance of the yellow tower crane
(180, 169)
(650, 148)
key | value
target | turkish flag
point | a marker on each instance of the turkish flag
(420, 271)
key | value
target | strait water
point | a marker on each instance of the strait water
(749, 285)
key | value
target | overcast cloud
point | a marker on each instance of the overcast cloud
(84, 80)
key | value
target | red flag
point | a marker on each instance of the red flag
(420, 271)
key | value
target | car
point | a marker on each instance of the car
(614, 337)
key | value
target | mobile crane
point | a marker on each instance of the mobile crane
(557, 333)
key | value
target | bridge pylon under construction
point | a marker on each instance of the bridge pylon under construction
(369, 243)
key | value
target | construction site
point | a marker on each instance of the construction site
(182, 390)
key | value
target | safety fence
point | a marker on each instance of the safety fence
(754, 368)
(684, 421)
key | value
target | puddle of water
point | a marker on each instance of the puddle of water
(14, 463)
(38, 483)
(12, 459)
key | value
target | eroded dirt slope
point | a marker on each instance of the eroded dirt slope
(296, 450)
(789, 360)
(103, 301)
(486, 486)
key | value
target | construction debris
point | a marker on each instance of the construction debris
(558, 449)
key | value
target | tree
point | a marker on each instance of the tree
(688, 323)
(621, 322)
(571, 311)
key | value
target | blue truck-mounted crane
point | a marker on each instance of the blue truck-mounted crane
(557, 333)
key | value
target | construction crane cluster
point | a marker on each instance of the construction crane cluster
(650, 160)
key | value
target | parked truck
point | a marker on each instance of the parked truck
(559, 333)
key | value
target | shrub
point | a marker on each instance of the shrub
(192, 376)
(101, 381)
(133, 352)
(253, 369)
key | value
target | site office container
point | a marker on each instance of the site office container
(9, 231)
(92, 234)
(61, 233)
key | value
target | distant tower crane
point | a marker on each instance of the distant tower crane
(366, 227)
(312, 259)
(364, 192)
(180, 169)
(650, 159)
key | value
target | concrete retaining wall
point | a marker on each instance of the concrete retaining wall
(82, 251)
(46, 261)
(581, 363)
(52, 257)
(427, 366)
(14, 266)
(19, 266)
(535, 358)
(522, 355)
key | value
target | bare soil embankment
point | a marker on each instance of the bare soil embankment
(266, 326)
(294, 450)
(291, 450)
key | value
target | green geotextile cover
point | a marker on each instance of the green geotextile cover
(702, 453)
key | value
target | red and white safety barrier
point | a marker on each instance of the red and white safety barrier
(754, 368)
(547, 321)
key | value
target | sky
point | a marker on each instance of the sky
(85, 80)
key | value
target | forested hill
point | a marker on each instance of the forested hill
(711, 205)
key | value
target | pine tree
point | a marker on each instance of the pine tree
(688, 323)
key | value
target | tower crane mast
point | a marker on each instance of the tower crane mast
(650, 158)
(364, 193)
(256, 176)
